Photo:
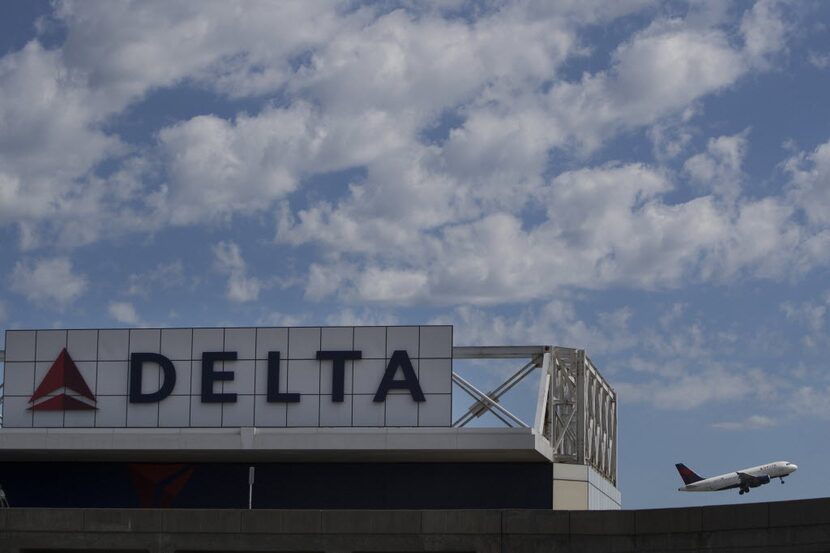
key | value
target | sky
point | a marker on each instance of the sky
(648, 181)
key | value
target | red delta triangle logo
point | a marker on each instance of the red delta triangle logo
(63, 376)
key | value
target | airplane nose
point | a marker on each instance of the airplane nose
(793, 467)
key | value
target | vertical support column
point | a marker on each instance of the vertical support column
(613, 432)
(552, 411)
(579, 361)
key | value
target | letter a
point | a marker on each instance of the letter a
(409, 382)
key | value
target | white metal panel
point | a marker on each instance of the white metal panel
(16, 413)
(113, 344)
(271, 339)
(20, 345)
(19, 379)
(49, 344)
(47, 419)
(435, 342)
(243, 377)
(304, 376)
(435, 375)
(177, 343)
(79, 419)
(303, 343)
(82, 345)
(174, 412)
(367, 412)
(240, 412)
(204, 414)
(111, 379)
(142, 415)
(242, 341)
(304, 413)
(336, 414)
(367, 375)
(371, 341)
(145, 340)
(401, 410)
(337, 339)
(112, 412)
(403, 338)
(268, 414)
(432, 412)
(207, 339)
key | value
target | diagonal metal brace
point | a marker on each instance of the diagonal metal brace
(472, 394)
(481, 407)
(487, 401)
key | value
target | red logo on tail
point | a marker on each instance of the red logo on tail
(63, 376)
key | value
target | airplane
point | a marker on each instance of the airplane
(742, 479)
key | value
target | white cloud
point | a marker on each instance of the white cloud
(604, 226)
(123, 312)
(750, 423)
(49, 137)
(811, 401)
(673, 362)
(362, 317)
(48, 281)
(278, 318)
(712, 383)
(820, 61)
(765, 31)
(718, 169)
(632, 235)
(124, 49)
(439, 217)
(811, 315)
(241, 287)
(670, 136)
(217, 168)
(163, 276)
(377, 79)
(661, 70)
(810, 187)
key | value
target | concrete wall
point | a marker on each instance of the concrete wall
(580, 487)
(794, 526)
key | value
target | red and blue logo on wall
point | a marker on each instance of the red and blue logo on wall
(63, 376)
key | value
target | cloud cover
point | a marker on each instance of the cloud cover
(408, 155)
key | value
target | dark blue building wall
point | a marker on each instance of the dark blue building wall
(278, 485)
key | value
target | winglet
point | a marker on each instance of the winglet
(688, 475)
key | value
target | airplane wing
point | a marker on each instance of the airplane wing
(749, 481)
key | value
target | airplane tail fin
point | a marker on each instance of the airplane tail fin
(688, 475)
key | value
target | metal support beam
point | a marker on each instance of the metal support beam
(498, 352)
(576, 409)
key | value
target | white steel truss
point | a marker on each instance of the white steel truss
(576, 409)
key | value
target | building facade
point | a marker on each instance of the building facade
(296, 418)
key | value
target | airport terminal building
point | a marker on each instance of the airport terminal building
(364, 417)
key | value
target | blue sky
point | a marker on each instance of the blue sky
(648, 181)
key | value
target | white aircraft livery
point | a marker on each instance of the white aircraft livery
(742, 479)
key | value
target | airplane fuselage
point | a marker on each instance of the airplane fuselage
(759, 475)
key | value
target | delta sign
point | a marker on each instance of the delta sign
(229, 377)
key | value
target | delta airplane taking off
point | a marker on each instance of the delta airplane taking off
(742, 479)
